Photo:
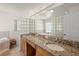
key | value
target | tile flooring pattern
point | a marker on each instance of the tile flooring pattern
(14, 52)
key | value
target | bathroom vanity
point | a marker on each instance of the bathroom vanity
(38, 46)
(29, 48)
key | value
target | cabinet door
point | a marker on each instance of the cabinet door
(27, 48)
(30, 50)
(23, 46)
(38, 54)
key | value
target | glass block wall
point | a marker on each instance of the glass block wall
(23, 26)
(31, 25)
(57, 25)
(39, 26)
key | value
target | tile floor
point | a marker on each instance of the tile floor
(14, 52)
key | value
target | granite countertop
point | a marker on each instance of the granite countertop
(68, 50)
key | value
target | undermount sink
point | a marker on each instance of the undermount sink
(55, 47)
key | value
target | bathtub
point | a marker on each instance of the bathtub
(4, 46)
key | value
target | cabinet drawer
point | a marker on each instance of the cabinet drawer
(40, 51)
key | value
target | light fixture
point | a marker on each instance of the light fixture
(51, 10)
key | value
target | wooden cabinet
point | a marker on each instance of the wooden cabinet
(28, 48)
(31, 51)
(32, 44)
(23, 46)
(42, 52)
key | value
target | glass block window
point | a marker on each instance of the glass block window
(31, 25)
(23, 26)
(48, 27)
(39, 26)
(54, 26)
(57, 25)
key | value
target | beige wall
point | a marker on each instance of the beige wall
(71, 24)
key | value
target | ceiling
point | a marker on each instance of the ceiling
(27, 9)
(59, 9)
(22, 9)
(21, 6)
(67, 5)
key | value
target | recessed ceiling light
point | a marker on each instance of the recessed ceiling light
(51, 10)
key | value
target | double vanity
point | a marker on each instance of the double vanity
(39, 46)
